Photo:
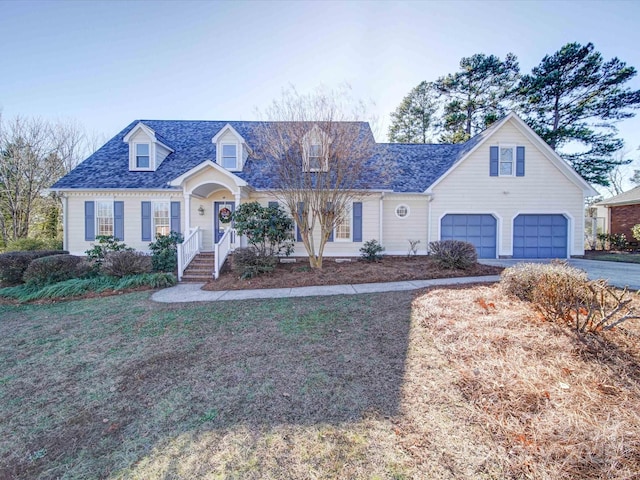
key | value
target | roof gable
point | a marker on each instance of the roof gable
(484, 136)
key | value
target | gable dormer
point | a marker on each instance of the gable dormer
(315, 150)
(146, 151)
(231, 149)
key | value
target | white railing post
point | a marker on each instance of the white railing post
(180, 269)
(188, 249)
(221, 251)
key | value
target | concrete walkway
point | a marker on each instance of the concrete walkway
(618, 274)
(191, 292)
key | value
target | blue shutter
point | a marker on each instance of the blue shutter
(146, 221)
(357, 221)
(89, 221)
(519, 161)
(493, 161)
(175, 217)
(329, 206)
(300, 212)
(273, 204)
(118, 220)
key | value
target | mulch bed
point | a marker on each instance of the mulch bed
(389, 269)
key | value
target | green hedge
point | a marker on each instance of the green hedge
(14, 264)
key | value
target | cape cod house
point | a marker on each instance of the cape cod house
(505, 190)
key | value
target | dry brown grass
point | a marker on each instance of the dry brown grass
(555, 405)
(443, 384)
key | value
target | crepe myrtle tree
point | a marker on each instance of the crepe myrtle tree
(318, 154)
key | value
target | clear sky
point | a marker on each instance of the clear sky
(106, 64)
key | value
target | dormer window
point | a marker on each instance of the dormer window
(315, 154)
(146, 151)
(230, 156)
(142, 155)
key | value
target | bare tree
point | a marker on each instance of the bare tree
(621, 176)
(34, 154)
(319, 155)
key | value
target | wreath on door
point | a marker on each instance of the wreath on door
(224, 215)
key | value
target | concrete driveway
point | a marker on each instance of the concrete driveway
(616, 273)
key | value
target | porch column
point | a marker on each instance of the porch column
(187, 213)
(239, 241)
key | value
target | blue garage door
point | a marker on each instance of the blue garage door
(480, 230)
(540, 236)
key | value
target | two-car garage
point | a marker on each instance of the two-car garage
(534, 235)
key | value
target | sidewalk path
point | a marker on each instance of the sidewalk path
(191, 292)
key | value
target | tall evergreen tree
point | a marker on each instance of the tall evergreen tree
(414, 119)
(573, 98)
(476, 95)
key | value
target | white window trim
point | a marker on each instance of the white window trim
(513, 160)
(153, 217)
(220, 148)
(133, 164)
(349, 211)
(113, 215)
(322, 158)
(405, 206)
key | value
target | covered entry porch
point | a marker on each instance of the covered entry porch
(211, 195)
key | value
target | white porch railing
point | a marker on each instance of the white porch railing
(188, 249)
(222, 249)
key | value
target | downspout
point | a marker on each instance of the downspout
(65, 230)
(429, 200)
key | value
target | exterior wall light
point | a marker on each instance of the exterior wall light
(201, 210)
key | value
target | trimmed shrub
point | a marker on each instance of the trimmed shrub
(105, 245)
(565, 294)
(55, 268)
(523, 279)
(454, 254)
(613, 241)
(14, 264)
(126, 262)
(164, 252)
(371, 251)
(249, 264)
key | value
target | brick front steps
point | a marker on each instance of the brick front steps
(200, 270)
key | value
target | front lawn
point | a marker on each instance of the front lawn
(448, 383)
(612, 256)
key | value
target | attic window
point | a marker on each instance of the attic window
(507, 157)
(142, 155)
(230, 156)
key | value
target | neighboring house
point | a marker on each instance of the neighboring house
(621, 213)
(505, 190)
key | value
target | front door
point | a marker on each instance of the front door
(222, 219)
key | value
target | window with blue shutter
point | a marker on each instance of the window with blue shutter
(175, 217)
(519, 161)
(146, 221)
(329, 207)
(118, 220)
(494, 158)
(89, 221)
(357, 221)
(300, 213)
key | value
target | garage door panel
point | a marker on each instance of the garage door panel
(477, 229)
(540, 236)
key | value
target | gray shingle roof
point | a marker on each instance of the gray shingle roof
(397, 167)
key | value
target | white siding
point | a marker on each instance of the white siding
(132, 217)
(543, 189)
(398, 231)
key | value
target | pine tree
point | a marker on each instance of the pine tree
(476, 95)
(574, 98)
(414, 119)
